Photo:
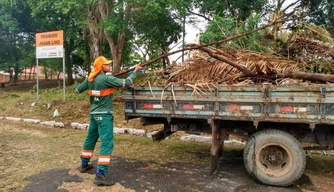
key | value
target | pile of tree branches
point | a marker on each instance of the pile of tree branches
(210, 65)
(297, 62)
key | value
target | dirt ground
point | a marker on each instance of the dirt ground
(39, 158)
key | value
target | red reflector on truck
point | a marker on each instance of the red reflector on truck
(188, 106)
(240, 108)
(192, 106)
(234, 107)
(287, 109)
(148, 106)
(152, 106)
(294, 109)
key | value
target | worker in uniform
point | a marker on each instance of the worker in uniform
(100, 87)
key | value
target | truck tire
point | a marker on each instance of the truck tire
(274, 157)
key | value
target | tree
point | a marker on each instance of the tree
(157, 26)
(114, 21)
(104, 20)
(221, 28)
(57, 20)
(17, 26)
(237, 9)
(324, 15)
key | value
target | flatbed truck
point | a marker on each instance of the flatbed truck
(278, 122)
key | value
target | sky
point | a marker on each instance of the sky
(191, 31)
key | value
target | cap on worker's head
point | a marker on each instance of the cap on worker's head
(101, 61)
(106, 61)
(98, 66)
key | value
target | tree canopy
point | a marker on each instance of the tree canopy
(132, 31)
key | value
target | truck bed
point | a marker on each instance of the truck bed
(263, 103)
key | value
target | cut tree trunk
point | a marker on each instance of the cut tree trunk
(285, 74)
(300, 75)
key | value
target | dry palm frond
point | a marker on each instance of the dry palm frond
(201, 68)
(196, 90)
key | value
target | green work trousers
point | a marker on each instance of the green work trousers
(101, 125)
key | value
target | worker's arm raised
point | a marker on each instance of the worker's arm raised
(117, 82)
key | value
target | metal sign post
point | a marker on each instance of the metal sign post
(37, 75)
(64, 89)
(50, 45)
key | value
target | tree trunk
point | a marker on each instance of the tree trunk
(16, 69)
(116, 51)
(303, 75)
(45, 73)
(51, 74)
(183, 35)
(32, 65)
(117, 58)
(164, 61)
(96, 35)
(164, 65)
(30, 71)
(116, 46)
(68, 63)
(95, 45)
(88, 57)
(285, 74)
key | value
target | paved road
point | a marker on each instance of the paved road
(230, 177)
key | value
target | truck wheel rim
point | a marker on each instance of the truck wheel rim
(274, 160)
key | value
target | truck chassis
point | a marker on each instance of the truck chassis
(278, 122)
